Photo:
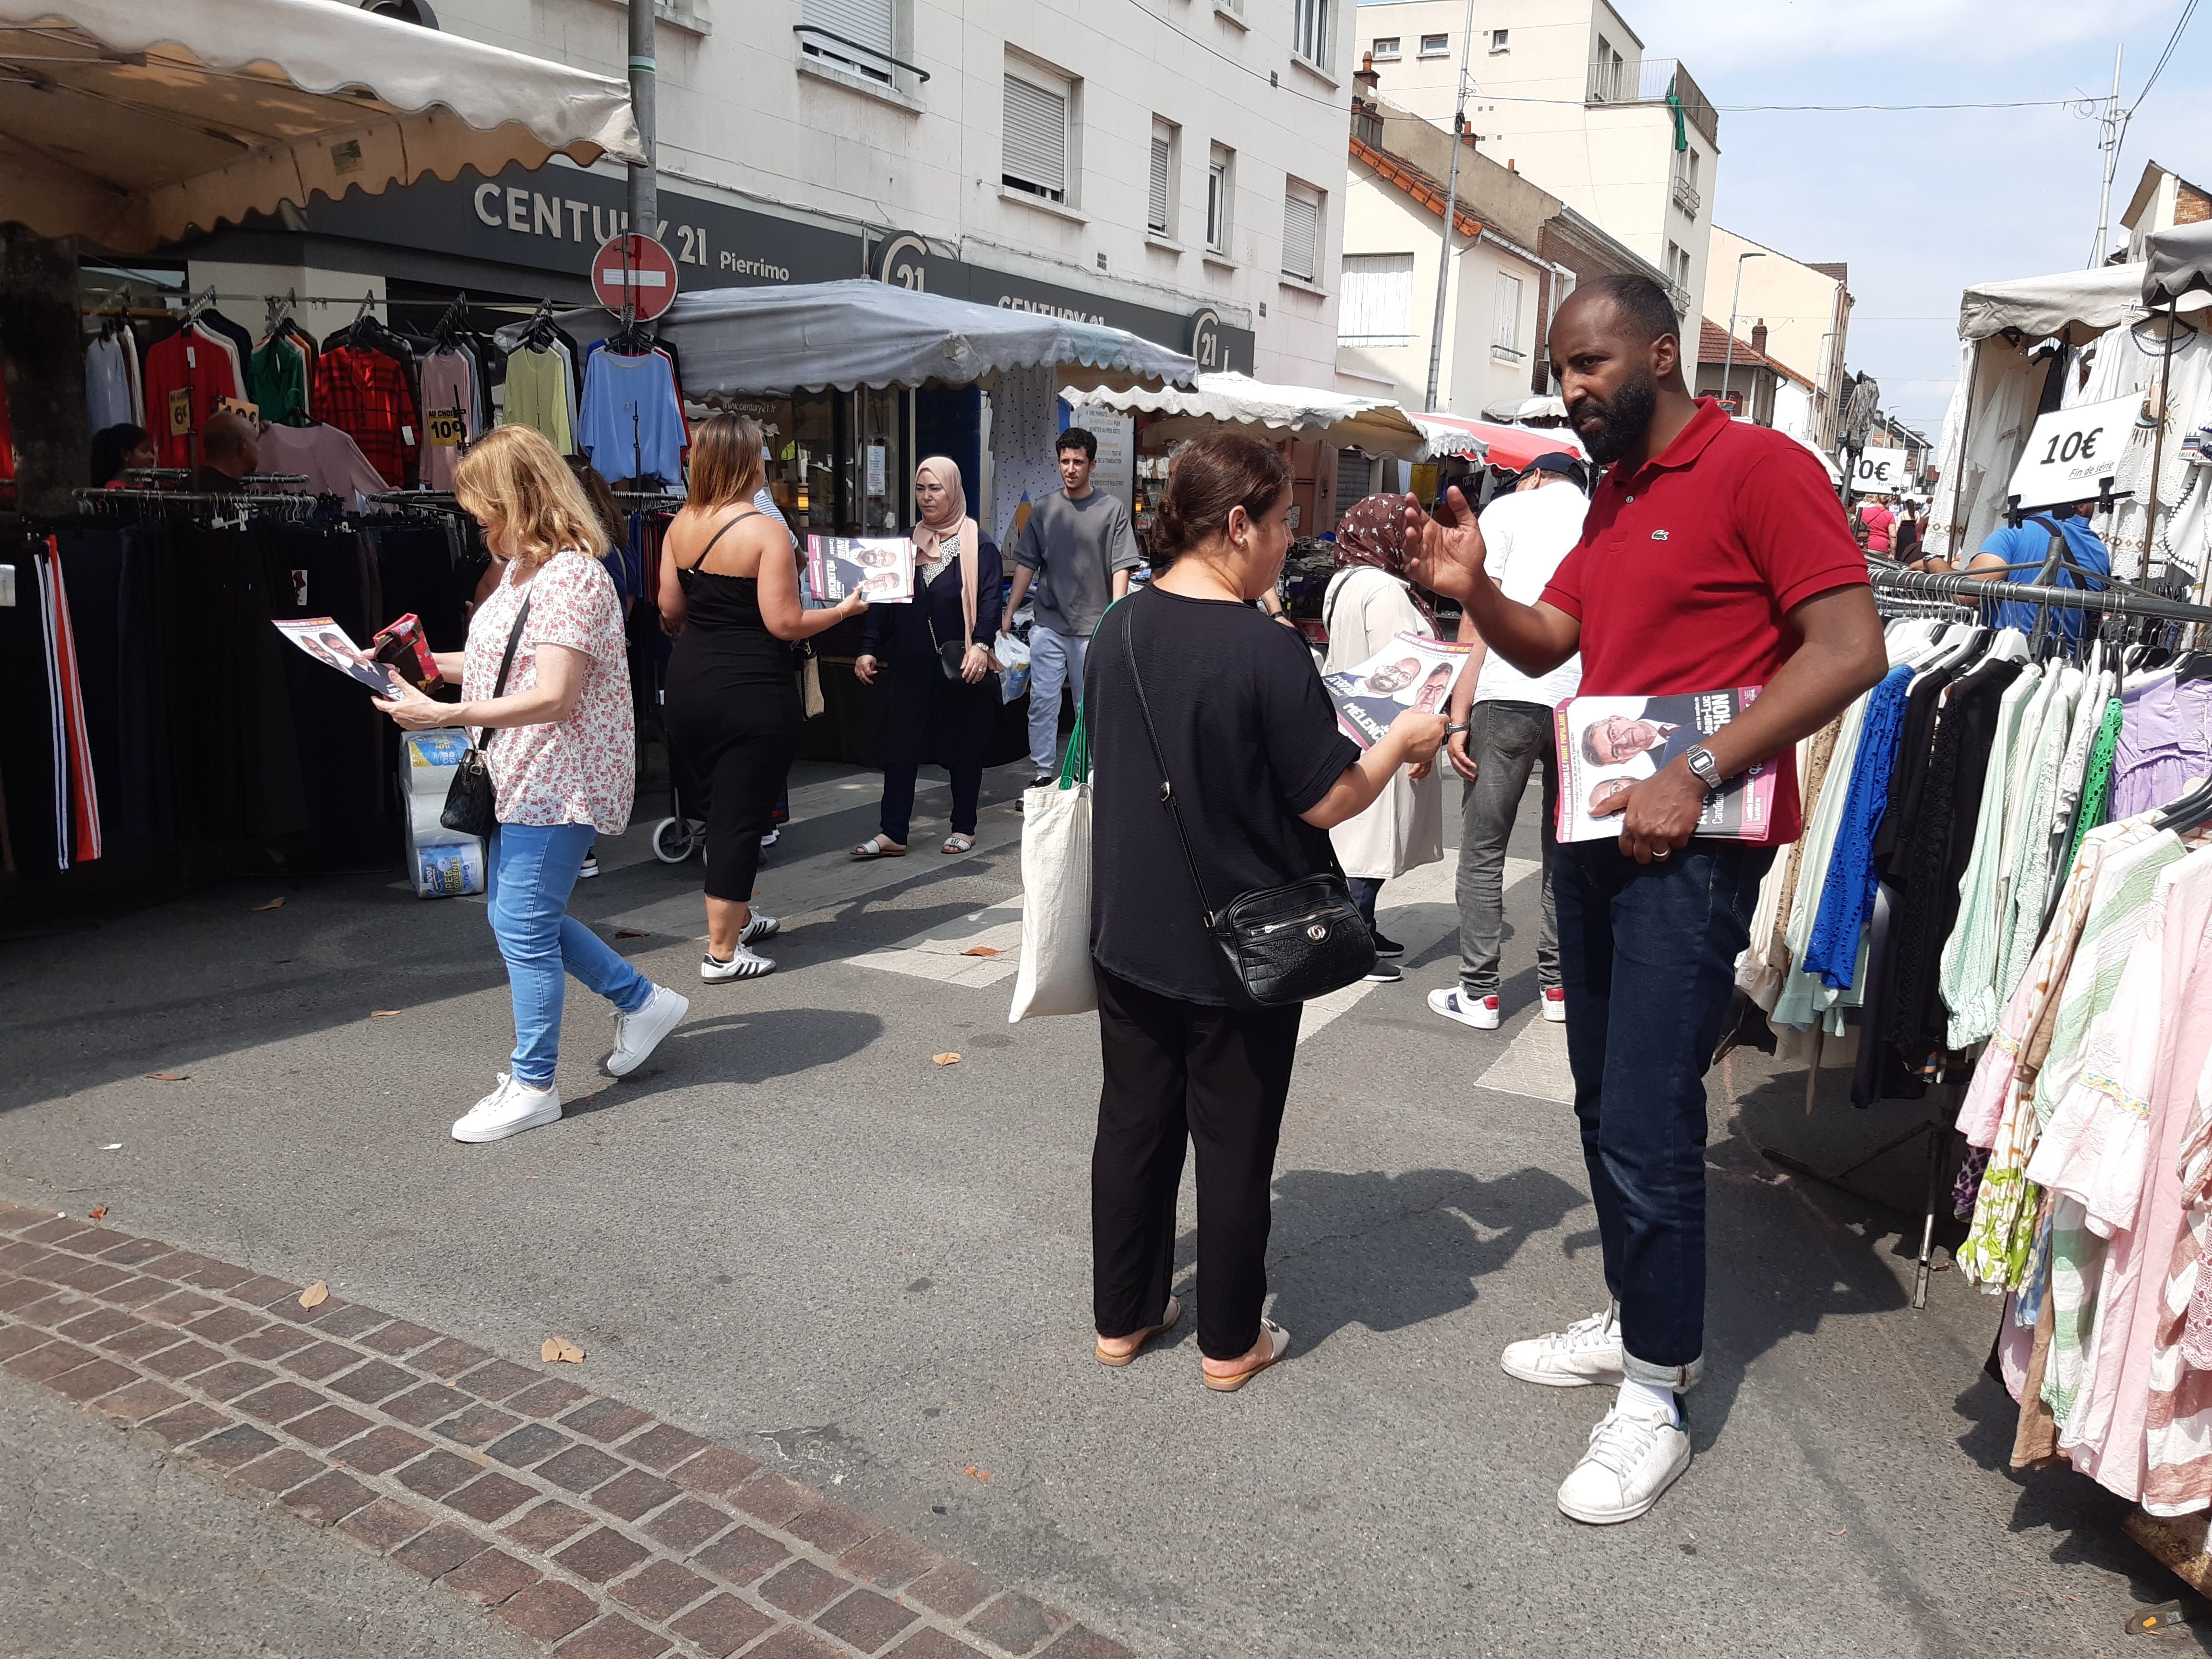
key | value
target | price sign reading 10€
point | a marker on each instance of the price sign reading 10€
(2072, 451)
(444, 426)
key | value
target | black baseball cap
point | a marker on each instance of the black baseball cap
(1561, 463)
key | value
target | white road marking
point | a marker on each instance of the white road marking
(1534, 1064)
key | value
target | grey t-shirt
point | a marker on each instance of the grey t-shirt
(1075, 548)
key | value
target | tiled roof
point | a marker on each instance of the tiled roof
(1423, 188)
(1713, 348)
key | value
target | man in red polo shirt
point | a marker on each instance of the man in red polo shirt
(1714, 555)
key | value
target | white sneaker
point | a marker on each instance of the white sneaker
(1554, 1004)
(1587, 1351)
(760, 927)
(742, 965)
(508, 1111)
(772, 837)
(636, 1035)
(1480, 1012)
(590, 867)
(1634, 1455)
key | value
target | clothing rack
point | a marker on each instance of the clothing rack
(221, 508)
(209, 296)
(2116, 601)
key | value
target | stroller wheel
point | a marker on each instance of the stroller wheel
(674, 840)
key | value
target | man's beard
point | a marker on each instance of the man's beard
(1622, 422)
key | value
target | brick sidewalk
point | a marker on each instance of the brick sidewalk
(582, 1522)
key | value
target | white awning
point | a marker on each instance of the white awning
(2074, 304)
(131, 123)
(2180, 262)
(1337, 418)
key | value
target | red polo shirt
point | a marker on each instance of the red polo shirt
(1688, 567)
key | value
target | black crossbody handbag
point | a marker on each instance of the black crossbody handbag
(1272, 946)
(472, 803)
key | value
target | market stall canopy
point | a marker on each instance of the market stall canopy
(129, 123)
(811, 336)
(2076, 305)
(1336, 418)
(1510, 410)
(2179, 262)
(1509, 447)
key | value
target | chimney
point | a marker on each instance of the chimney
(1366, 78)
(1512, 166)
(1759, 337)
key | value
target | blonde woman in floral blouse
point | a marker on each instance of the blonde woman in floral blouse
(562, 756)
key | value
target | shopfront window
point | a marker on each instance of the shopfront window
(838, 462)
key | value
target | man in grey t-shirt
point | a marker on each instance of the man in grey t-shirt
(1079, 548)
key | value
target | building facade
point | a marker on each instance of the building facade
(1563, 93)
(2162, 199)
(1806, 310)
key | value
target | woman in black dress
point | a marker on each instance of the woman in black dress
(944, 693)
(729, 591)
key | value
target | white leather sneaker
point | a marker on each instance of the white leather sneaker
(1480, 1012)
(508, 1111)
(758, 928)
(1588, 1352)
(1555, 1006)
(1634, 1455)
(743, 964)
(636, 1035)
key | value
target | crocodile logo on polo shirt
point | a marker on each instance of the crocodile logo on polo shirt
(1658, 535)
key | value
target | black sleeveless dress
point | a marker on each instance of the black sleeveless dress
(732, 712)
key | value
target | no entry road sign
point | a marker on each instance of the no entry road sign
(636, 272)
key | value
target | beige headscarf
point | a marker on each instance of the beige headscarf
(952, 520)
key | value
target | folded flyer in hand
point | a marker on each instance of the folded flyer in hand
(1409, 672)
(327, 642)
(1607, 745)
(881, 567)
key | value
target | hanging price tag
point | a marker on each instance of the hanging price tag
(180, 412)
(2072, 451)
(238, 406)
(445, 427)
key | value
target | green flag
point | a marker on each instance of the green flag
(1682, 126)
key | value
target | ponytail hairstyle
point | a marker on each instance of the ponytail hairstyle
(1213, 475)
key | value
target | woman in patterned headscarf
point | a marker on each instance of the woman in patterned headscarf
(1369, 600)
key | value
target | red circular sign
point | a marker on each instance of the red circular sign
(635, 270)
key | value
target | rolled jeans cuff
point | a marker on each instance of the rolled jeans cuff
(1676, 1378)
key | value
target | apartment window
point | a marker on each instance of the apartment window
(870, 28)
(1035, 154)
(1505, 321)
(1312, 22)
(1378, 305)
(1606, 68)
(1435, 45)
(1501, 40)
(1386, 49)
(1160, 204)
(1220, 194)
(1302, 217)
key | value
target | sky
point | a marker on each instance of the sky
(1923, 204)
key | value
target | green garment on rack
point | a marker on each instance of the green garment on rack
(2097, 790)
(277, 381)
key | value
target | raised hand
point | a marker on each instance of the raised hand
(1447, 557)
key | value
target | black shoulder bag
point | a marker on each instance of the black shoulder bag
(471, 804)
(1274, 946)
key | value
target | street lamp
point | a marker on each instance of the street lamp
(1451, 211)
(1728, 356)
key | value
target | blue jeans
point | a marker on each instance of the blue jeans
(1365, 890)
(530, 871)
(1647, 958)
(1055, 661)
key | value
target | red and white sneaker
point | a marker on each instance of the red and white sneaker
(1480, 1012)
(1555, 1004)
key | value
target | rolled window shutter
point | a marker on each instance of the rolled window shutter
(1036, 151)
(867, 22)
(1157, 213)
(1301, 237)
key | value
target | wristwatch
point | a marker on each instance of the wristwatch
(1702, 763)
(1455, 725)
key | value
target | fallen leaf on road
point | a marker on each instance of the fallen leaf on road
(273, 904)
(982, 951)
(383, 1013)
(944, 1059)
(113, 1146)
(96, 1215)
(315, 1295)
(630, 932)
(561, 1349)
(975, 1474)
(1839, 1532)
(168, 1077)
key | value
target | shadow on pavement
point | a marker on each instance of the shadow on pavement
(741, 1049)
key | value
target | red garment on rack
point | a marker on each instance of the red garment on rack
(364, 394)
(189, 362)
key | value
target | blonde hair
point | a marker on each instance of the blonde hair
(726, 461)
(515, 483)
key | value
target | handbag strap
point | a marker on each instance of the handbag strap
(1167, 786)
(486, 734)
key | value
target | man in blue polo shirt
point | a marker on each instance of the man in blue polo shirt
(2026, 548)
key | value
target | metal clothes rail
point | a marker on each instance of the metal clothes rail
(2117, 602)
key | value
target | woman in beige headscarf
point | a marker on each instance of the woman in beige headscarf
(943, 700)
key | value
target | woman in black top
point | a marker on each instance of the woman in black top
(943, 694)
(729, 583)
(1262, 773)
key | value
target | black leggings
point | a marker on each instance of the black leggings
(746, 782)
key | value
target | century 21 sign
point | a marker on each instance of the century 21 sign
(535, 213)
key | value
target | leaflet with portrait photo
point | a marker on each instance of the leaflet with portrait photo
(329, 644)
(1608, 744)
(1409, 672)
(881, 567)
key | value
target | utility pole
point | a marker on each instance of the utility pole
(1727, 354)
(644, 181)
(2114, 131)
(1451, 209)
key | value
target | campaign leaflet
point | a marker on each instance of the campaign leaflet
(1409, 672)
(881, 567)
(327, 643)
(1608, 743)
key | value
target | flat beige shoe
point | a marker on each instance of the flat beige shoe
(1168, 1317)
(1279, 1345)
(877, 848)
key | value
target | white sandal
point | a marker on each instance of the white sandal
(958, 844)
(877, 848)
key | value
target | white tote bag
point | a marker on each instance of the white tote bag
(1056, 975)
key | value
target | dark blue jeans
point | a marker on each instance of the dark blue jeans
(1647, 958)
